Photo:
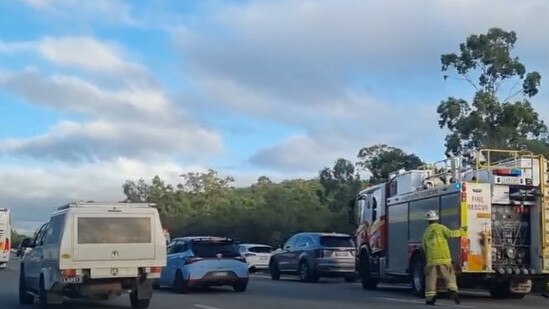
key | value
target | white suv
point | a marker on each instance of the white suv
(94, 250)
(257, 256)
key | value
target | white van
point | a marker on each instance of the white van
(5, 237)
(94, 250)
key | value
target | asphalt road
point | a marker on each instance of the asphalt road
(287, 294)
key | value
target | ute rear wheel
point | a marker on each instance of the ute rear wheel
(139, 303)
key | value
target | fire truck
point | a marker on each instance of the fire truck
(502, 196)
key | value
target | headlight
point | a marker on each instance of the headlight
(510, 252)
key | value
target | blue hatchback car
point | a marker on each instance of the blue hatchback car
(203, 262)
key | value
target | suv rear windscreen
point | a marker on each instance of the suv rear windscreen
(260, 249)
(336, 241)
(115, 230)
(208, 249)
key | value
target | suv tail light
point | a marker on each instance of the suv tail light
(325, 253)
(190, 260)
(241, 259)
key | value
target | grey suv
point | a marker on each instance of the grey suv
(315, 255)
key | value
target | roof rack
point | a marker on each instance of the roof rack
(105, 204)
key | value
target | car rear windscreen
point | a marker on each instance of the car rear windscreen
(260, 249)
(118, 230)
(208, 249)
(336, 241)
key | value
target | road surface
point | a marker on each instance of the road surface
(287, 294)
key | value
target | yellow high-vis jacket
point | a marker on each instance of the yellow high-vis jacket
(435, 243)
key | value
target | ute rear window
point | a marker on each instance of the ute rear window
(207, 249)
(260, 249)
(336, 241)
(114, 230)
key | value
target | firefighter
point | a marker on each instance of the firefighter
(439, 260)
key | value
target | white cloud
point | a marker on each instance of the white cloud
(75, 94)
(128, 118)
(33, 193)
(111, 11)
(104, 141)
(86, 53)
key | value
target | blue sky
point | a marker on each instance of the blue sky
(96, 92)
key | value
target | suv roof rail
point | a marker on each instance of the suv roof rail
(105, 204)
(203, 238)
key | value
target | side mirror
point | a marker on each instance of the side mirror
(351, 213)
(26, 243)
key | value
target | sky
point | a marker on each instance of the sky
(94, 93)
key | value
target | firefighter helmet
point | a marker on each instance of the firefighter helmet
(432, 215)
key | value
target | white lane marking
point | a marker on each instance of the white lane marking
(205, 307)
(421, 302)
(260, 276)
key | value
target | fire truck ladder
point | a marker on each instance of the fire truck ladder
(493, 158)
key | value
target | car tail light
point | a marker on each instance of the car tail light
(191, 260)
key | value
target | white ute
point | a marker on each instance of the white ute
(94, 251)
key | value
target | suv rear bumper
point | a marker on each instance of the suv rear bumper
(335, 267)
(217, 281)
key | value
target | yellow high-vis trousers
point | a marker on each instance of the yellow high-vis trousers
(432, 272)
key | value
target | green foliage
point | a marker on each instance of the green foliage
(265, 212)
(491, 120)
(341, 183)
(381, 160)
(16, 239)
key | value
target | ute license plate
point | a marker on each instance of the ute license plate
(73, 280)
(264, 258)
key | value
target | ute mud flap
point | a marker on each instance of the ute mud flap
(144, 288)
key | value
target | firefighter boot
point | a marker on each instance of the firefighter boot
(455, 296)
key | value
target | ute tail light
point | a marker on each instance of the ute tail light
(156, 270)
(70, 272)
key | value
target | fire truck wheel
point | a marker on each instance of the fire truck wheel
(368, 283)
(418, 276)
